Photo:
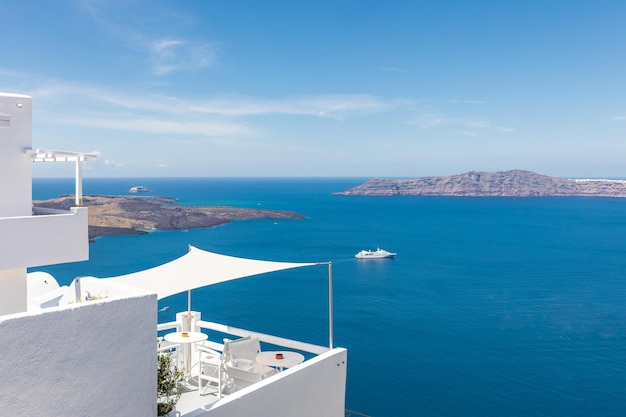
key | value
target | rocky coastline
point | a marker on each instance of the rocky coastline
(125, 215)
(513, 183)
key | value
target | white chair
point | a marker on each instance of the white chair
(240, 362)
(210, 370)
(168, 348)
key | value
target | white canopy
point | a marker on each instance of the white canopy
(199, 268)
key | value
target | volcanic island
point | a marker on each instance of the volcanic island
(126, 215)
(513, 183)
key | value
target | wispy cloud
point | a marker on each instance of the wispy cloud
(89, 98)
(171, 55)
(233, 116)
(103, 162)
(468, 133)
(486, 125)
(429, 119)
(74, 104)
(164, 55)
(164, 47)
(157, 126)
(395, 69)
(331, 106)
(467, 101)
(9, 73)
(618, 118)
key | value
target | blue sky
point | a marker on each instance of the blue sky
(324, 88)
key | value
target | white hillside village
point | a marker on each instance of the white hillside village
(91, 348)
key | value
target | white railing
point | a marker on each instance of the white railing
(41, 211)
(170, 325)
(224, 329)
(274, 340)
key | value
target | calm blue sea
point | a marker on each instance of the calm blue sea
(503, 307)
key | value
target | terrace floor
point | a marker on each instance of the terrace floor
(192, 404)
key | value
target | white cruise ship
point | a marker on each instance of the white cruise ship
(375, 254)
(90, 348)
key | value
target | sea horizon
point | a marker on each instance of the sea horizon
(329, 177)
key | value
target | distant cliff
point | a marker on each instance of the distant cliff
(515, 183)
(109, 215)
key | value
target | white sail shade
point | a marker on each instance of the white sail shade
(199, 268)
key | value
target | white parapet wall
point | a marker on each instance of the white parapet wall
(315, 388)
(93, 358)
(56, 237)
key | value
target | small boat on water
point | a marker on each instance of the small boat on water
(139, 189)
(377, 254)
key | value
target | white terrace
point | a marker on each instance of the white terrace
(314, 387)
(214, 375)
(95, 342)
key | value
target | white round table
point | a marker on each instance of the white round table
(280, 359)
(186, 339)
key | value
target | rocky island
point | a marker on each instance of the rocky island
(111, 215)
(514, 183)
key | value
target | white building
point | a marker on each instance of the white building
(66, 356)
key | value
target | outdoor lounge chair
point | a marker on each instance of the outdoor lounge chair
(240, 362)
(210, 370)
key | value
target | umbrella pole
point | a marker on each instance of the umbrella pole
(330, 305)
(189, 310)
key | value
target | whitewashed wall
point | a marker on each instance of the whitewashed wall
(317, 389)
(15, 165)
(15, 189)
(93, 358)
(44, 240)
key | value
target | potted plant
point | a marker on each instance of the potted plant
(169, 376)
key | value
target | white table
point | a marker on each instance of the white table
(186, 339)
(280, 359)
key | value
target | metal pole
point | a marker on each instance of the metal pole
(189, 303)
(330, 305)
(189, 312)
(79, 182)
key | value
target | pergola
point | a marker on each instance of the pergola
(47, 155)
